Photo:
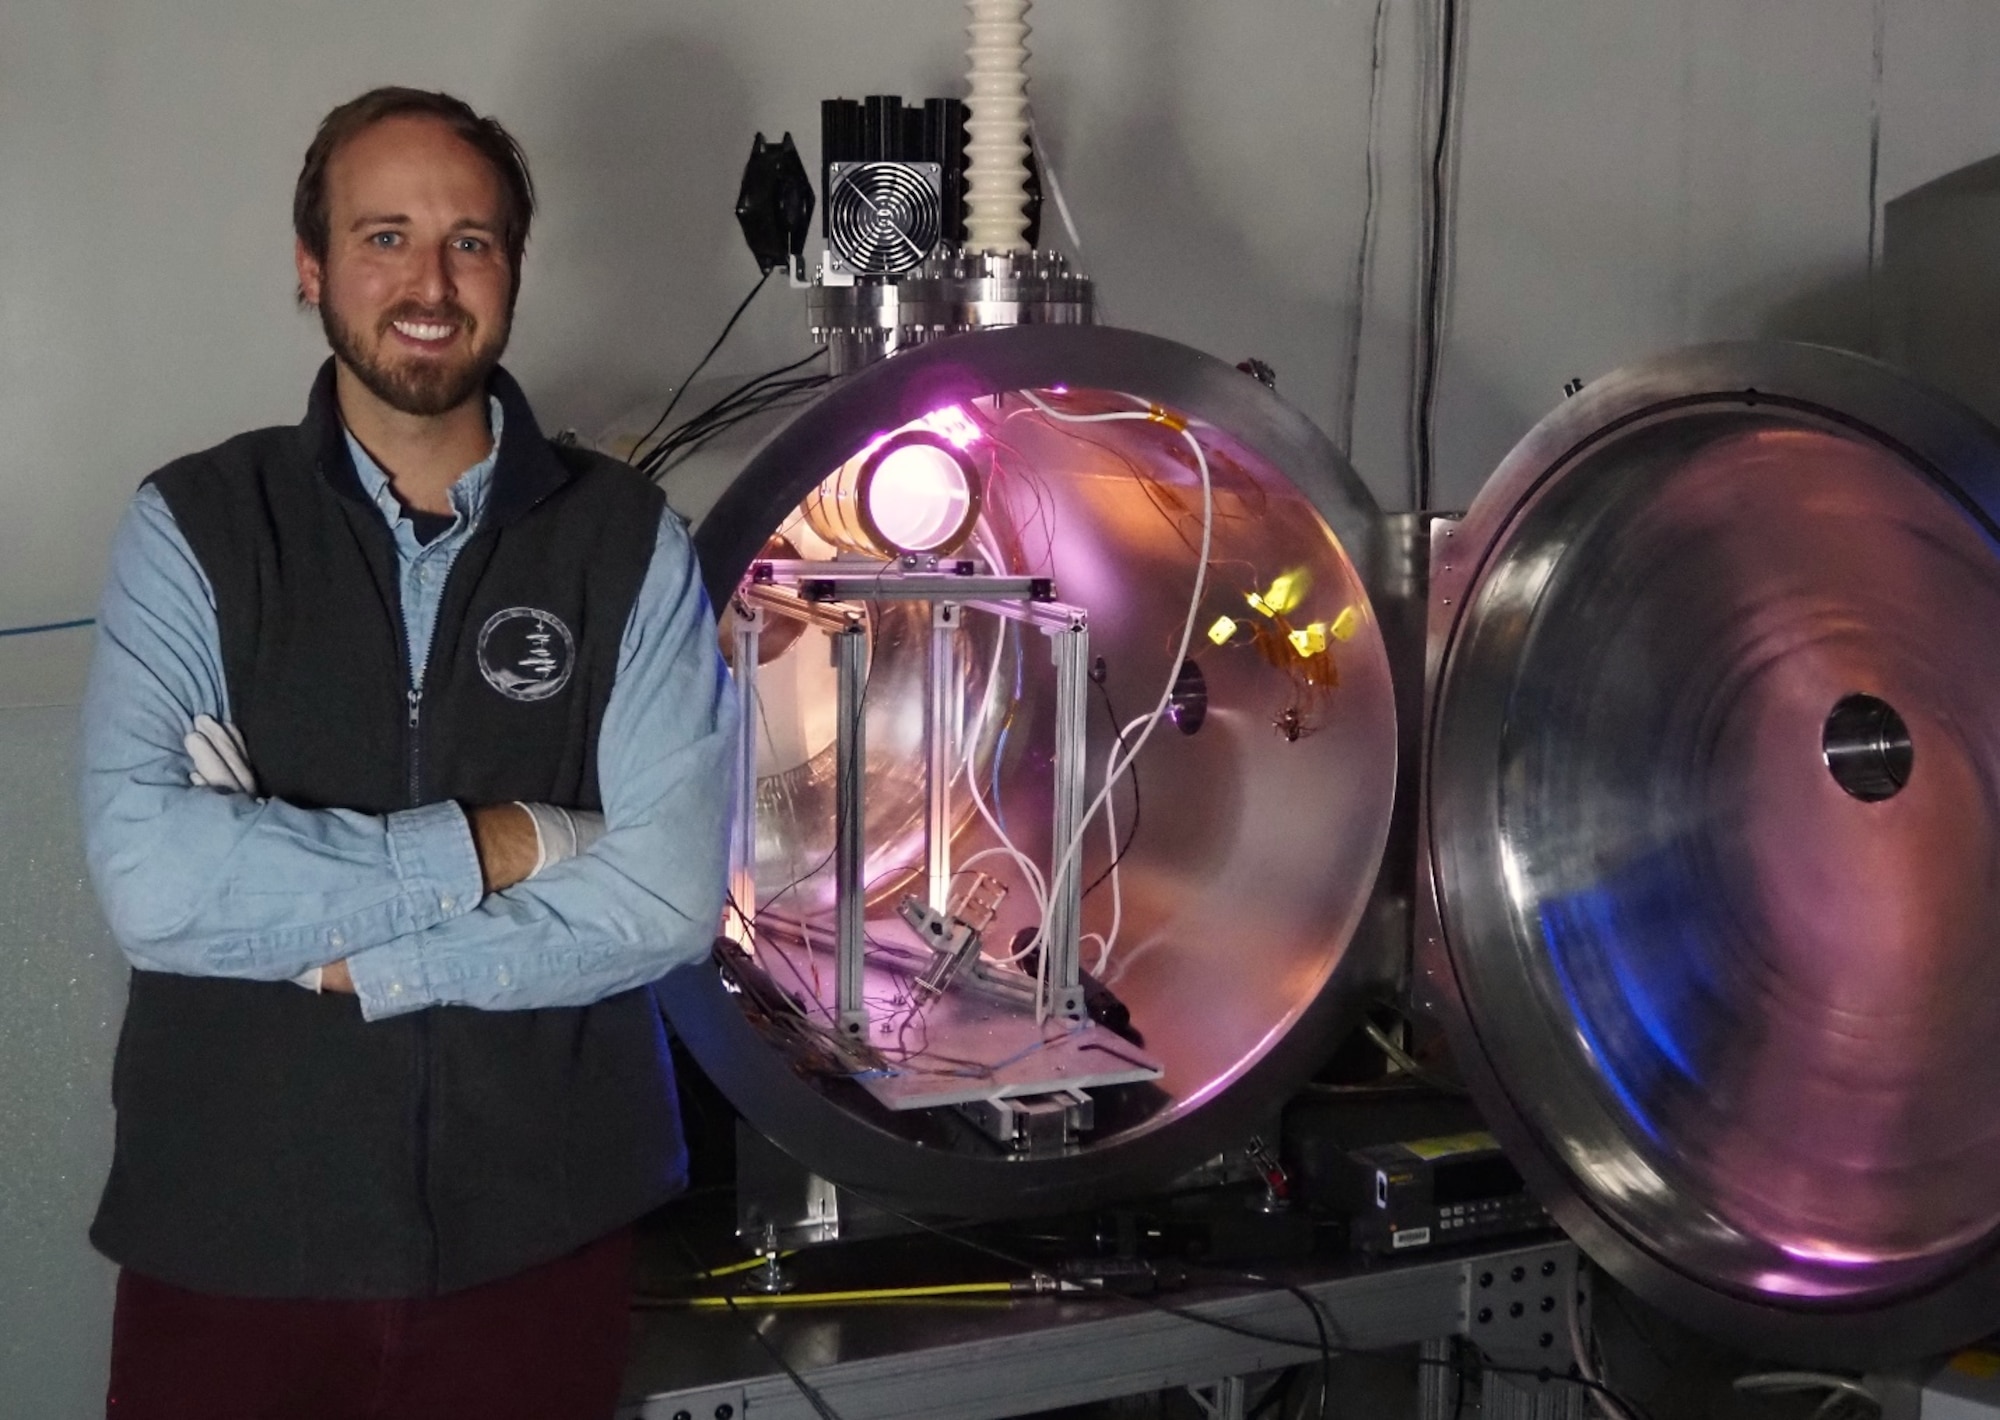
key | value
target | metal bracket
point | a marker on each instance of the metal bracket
(778, 1199)
(1517, 1313)
(1226, 1399)
(724, 1402)
(955, 943)
(911, 579)
(1034, 1126)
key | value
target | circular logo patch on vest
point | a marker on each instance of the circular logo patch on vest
(526, 654)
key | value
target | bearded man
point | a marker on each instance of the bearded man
(406, 773)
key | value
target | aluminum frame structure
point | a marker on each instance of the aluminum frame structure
(830, 596)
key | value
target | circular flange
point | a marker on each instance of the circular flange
(1304, 824)
(1712, 818)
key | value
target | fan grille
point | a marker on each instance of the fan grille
(883, 218)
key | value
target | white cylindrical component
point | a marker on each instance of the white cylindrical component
(996, 174)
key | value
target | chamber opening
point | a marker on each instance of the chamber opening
(1867, 748)
(992, 893)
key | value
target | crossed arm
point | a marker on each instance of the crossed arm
(424, 906)
(504, 837)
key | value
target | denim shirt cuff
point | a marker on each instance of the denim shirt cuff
(436, 861)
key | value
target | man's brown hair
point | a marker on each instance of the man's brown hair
(493, 143)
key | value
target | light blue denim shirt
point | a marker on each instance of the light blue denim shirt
(205, 883)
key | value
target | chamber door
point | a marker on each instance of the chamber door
(1710, 816)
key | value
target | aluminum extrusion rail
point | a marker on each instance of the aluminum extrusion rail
(912, 1363)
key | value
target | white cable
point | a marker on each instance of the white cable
(1066, 863)
(1037, 885)
(1054, 187)
(1031, 874)
(1024, 863)
(1108, 940)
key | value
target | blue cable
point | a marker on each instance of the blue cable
(48, 626)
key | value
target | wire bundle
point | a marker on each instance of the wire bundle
(757, 395)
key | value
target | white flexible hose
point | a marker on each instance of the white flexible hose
(996, 174)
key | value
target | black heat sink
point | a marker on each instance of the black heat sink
(881, 128)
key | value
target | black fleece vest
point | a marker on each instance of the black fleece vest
(270, 1142)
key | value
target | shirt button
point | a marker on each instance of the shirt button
(395, 988)
(334, 939)
(506, 978)
(447, 902)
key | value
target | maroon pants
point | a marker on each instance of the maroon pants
(547, 1344)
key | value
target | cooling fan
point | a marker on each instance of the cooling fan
(882, 218)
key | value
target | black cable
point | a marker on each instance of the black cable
(1326, 1348)
(729, 400)
(689, 437)
(1313, 1310)
(1132, 776)
(737, 398)
(701, 364)
(1436, 239)
(49, 626)
(688, 442)
(1364, 256)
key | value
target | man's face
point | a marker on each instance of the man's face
(416, 292)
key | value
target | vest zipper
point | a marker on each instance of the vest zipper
(426, 1062)
(416, 699)
(415, 696)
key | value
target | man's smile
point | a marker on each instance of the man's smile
(426, 334)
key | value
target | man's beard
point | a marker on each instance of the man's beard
(421, 387)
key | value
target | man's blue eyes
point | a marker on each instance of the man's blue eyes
(386, 240)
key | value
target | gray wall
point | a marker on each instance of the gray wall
(1636, 174)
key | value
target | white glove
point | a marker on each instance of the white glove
(220, 759)
(561, 833)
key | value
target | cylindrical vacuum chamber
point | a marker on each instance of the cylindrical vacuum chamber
(1234, 938)
(1705, 873)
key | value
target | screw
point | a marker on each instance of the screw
(1515, 1311)
(1548, 1339)
(1485, 1315)
(1548, 1304)
(1519, 1273)
(1549, 1268)
(724, 1411)
(682, 1415)
(1486, 1279)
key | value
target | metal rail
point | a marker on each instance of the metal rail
(933, 1363)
